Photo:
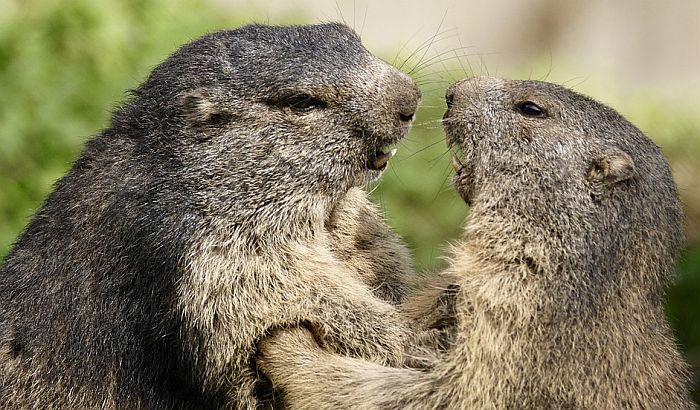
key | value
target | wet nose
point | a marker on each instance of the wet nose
(408, 104)
(406, 96)
(456, 91)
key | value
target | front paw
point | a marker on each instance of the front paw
(284, 349)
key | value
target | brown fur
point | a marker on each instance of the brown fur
(364, 242)
(565, 259)
(222, 202)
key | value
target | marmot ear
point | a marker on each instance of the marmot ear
(611, 168)
(201, 106)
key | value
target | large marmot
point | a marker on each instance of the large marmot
(563, 267)
(202, 218)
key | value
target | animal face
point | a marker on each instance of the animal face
(534, 135)
(567, 179)
(303, 106)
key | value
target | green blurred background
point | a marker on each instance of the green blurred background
(65, 65)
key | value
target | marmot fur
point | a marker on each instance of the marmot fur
(202, 218)
(566, 257)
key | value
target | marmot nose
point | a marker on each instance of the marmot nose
(407, 102)
(450, 97)
(406, 117)
(468, 89)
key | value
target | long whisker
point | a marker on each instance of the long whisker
(441, 187)
(440, 37)
(440, 57)
(340, 12)
(403, 47)
(422, 149)
(432, 40)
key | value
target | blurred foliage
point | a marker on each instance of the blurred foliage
(65, 64)
(683, 309)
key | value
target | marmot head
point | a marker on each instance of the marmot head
(561, 184)
(265, 117)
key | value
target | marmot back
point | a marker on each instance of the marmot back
(198, 221)
(566, 257)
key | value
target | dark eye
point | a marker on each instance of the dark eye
(301, 103)
(530, 109)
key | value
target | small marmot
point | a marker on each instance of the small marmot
(565, 260)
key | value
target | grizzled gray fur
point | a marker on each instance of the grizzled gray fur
(199, 220)
(562, 270)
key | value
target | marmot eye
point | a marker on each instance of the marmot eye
(301, 103)
(530, 109)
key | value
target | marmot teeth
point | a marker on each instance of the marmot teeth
(382, 159)
(456, 163)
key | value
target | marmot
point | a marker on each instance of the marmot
(566, 256)
(199, 220)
